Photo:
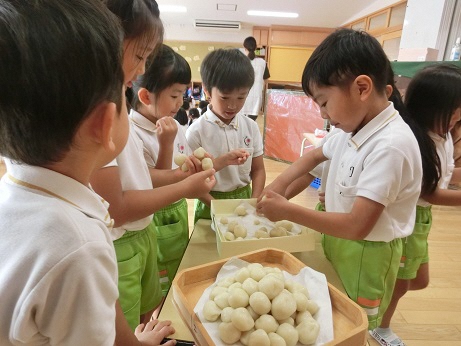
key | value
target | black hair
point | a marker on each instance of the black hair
(203, 104)
(181, 116)
(186, 105)
(432, 96)
(59, 60)
(344, 55)
(250, 44)
(165, 69)
(194, 114)
(227, 70)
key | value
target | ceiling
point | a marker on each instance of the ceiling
(316, 13)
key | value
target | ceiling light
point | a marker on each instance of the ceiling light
(273, 14)
(172, 9)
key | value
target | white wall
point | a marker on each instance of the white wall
(422, 23)
(186, 32)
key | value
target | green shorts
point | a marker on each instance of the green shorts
(202, 211)
(172, 226)
(138, 282)
(367, 270)
(415, 247)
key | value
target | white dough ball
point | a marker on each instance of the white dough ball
(231, 226)
(261, 234)
(222, 300)
(240, 231)
(246, 336)
(301, 301)
(276, 340)
(180, 159)
(297, 287)
(242, 274)
(216, 290)
(285, 224)
(257, 273)
(260, 303)
(226, 282)
(308, 331)
(252, 313)
(199, 153)
(184, 167)
(234, 285)
(259, 338)
(267, 322)
(229, 236)
(288, 333)
(278, 232)
(238, 298)
(283, 305)
(228, 333)
(226, 314)
(211, 311)
(224, 220)
(240, 210)
(250, 285)
(256, 222)
(302, 316)
(207, 163)
(289, 320)
(242, 320)
(271, 286)
(312, 307)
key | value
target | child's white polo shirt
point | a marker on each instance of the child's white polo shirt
(58, 271)
(147, 132)
(381, 162)
(445, 151)
(218, 138)
(134, 175)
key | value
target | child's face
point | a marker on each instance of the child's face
(168, 101)
(339, 106)
(134, 60)
(226, 105)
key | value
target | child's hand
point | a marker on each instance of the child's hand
(322, 199)
(233, 157)
(166, 131)
(154, 332)
(272, 187)
(270, 206)
(199, 184)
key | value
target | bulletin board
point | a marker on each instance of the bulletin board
(288, 115)
(195, 52)
(287, 63)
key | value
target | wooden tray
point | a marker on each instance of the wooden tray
(350, 322)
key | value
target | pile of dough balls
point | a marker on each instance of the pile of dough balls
(258, 307)
(199, 153)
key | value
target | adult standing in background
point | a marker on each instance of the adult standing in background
(255, 96)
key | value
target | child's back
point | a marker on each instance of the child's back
(58, 273)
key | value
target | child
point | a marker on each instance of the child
(433, 101)
(375, 169)
(157, 98)
(126, 182)
(182, 118)
(58, 274)
(194, 114)
(227, 76)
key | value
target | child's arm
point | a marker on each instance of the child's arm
(162, 177)
(299, 168)
(151, 334)
(444, 197)
(166, 134)
(299, 185)
(355, 225)
(132, 205)
(456, 176)
(258, 176)
(233, 157)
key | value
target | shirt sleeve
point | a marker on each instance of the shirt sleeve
(193, 136)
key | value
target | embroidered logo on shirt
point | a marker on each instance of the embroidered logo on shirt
(180, 148)
(247, 141)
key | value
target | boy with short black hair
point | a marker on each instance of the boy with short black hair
(227, 76)
(62, 116)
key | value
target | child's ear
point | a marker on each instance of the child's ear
(207, 94)
(100, 124)
(144, 96)
(364, 86)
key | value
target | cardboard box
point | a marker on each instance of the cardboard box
(305, 241)
(350, 322)
(418, 54)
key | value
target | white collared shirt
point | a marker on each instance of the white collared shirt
(381, 162)
(147, 132)
(445, 151)
(58, 270)
(218, 138)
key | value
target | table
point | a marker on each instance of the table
(202, 249)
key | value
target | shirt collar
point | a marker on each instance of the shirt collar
(139, 120)
(388, 115)
(212, 118)
(54, 184)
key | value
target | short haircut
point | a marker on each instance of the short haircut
(181, 116)
(165, 69)
(194, 113)
(227, 70)
(58, 60)
(344, 55)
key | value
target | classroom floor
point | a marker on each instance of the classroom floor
(430, 317)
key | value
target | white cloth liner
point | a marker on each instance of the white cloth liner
(315, 282)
